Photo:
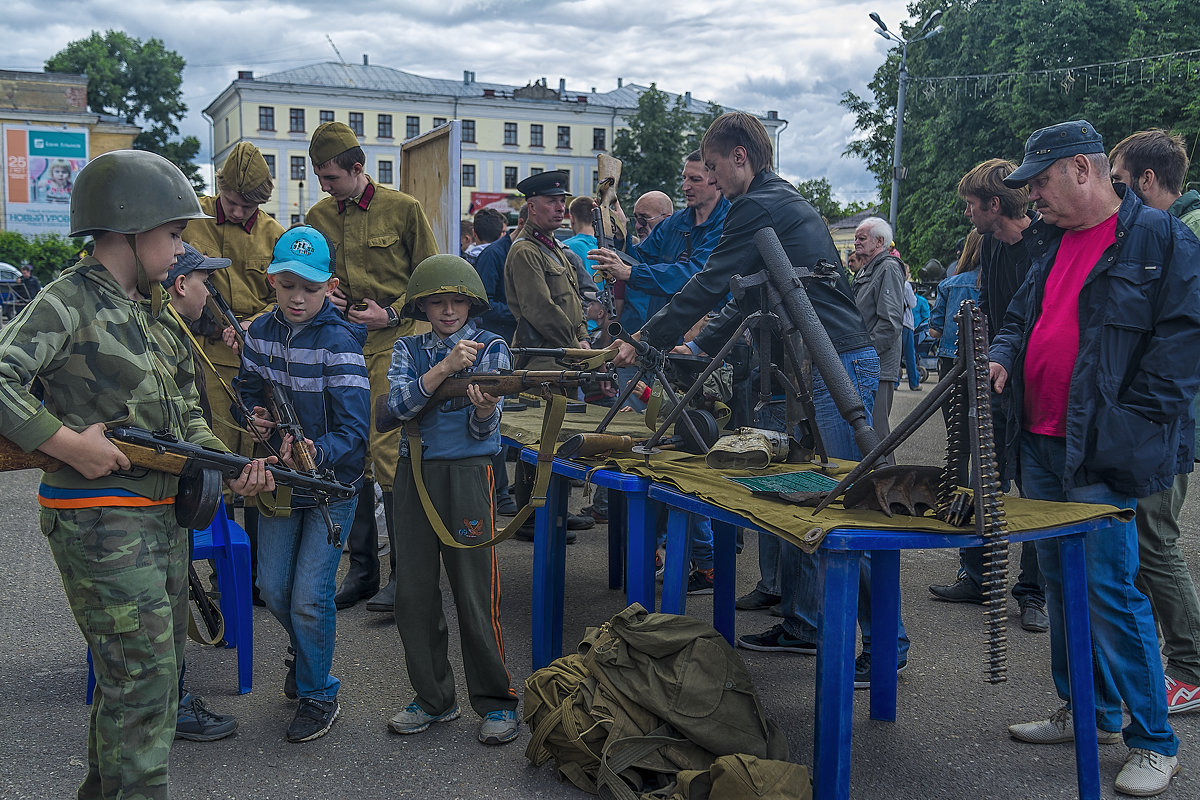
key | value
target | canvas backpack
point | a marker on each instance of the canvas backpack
(646, 696)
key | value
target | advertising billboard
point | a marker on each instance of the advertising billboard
(40, 165)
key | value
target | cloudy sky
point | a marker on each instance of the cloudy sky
(794, 57)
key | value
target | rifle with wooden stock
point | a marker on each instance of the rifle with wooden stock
(200, 469)
(453, 390)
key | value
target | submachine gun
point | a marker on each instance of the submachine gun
(286, 421)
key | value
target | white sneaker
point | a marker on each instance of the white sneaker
(1146, 773)
(1056, 730)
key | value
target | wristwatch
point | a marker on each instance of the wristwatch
(393, 317)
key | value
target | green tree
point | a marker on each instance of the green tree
(1023, 64)
(49, 253)
(141, 83)
(819, 192)
(652, 148)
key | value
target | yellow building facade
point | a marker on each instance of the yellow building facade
(508, 132)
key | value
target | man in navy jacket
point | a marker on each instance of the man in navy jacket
(1099, 359)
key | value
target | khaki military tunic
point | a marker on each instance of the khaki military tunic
(543, 294)
(244, 286)
(378, 246)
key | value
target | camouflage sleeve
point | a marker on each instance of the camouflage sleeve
(34, 343)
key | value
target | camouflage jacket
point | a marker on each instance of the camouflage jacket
(83, 352)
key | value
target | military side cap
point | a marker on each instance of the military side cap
(545, 183)
(1066, 139)
(303, 251)
(329, 141)
(192, 260)
(245, 170)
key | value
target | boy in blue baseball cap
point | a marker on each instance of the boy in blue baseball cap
(307, 351)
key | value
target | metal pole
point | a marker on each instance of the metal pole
(894, 208)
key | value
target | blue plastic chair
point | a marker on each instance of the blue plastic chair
(228, 545)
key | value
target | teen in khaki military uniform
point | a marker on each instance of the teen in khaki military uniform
(379, 235)
(102, 348)
(241, 232)
(542, 289)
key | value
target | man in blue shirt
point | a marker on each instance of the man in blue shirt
(673, 252)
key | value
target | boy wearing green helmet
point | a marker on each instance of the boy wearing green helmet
(96, 348)
(457, 446)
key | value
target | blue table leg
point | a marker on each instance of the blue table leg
(618, 524)
(836, 625)
(724, 577)
(549, 573)
(674, 593)
(1079, 664)
(639, 557)
(885, 624)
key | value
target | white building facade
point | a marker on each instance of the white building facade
(508, 132)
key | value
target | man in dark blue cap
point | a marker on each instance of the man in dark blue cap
(543, 294)
(1098, 362)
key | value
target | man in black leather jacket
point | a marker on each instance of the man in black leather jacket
(738, 154)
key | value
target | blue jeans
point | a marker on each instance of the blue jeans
(909, 343)
(1127, 665)
(800, 585)
(297, 568)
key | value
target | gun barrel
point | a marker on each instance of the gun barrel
(616, 331)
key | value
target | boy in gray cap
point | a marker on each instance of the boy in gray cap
(1097, 365)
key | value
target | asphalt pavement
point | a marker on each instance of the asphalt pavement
(949, 740)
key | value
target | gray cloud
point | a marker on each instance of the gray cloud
(796, 58)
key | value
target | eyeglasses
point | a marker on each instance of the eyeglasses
(644, 219)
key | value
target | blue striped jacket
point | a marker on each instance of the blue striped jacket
(323, 368)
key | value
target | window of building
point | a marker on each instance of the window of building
(385, 126)
(468, 130)
(597, 138)
(510, 133)
(564, 135)
(270, 164)
(295, 120)
(385, 171)
(595, 179)
(356, 123)
(412, 127)
(295, 219)
(266, 118)
(439, 121)
(227, 129)
(537, 137)
(468, 174)
(510, 177)
(326, 116)
(536, 170)
(298, 168)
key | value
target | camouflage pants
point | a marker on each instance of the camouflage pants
(125, 574)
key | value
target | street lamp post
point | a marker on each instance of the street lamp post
(927, 31)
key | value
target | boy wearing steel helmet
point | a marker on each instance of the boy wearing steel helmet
(457, 450)
(100, 349)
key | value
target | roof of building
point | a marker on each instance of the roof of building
(331, 74)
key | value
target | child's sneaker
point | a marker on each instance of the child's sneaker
(196, 723)
(1181, 696)
(660, 564)
(313, 719)
(700, 582)
(498, 727)
(414, 719)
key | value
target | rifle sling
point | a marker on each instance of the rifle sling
(208, 608)
(551, 424)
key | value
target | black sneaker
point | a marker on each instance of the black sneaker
(862, 670)
(290, 690)
(777, 640)
(700, 582)
(525, 533)
(196, 723)
(313, 719)
(756, 601)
